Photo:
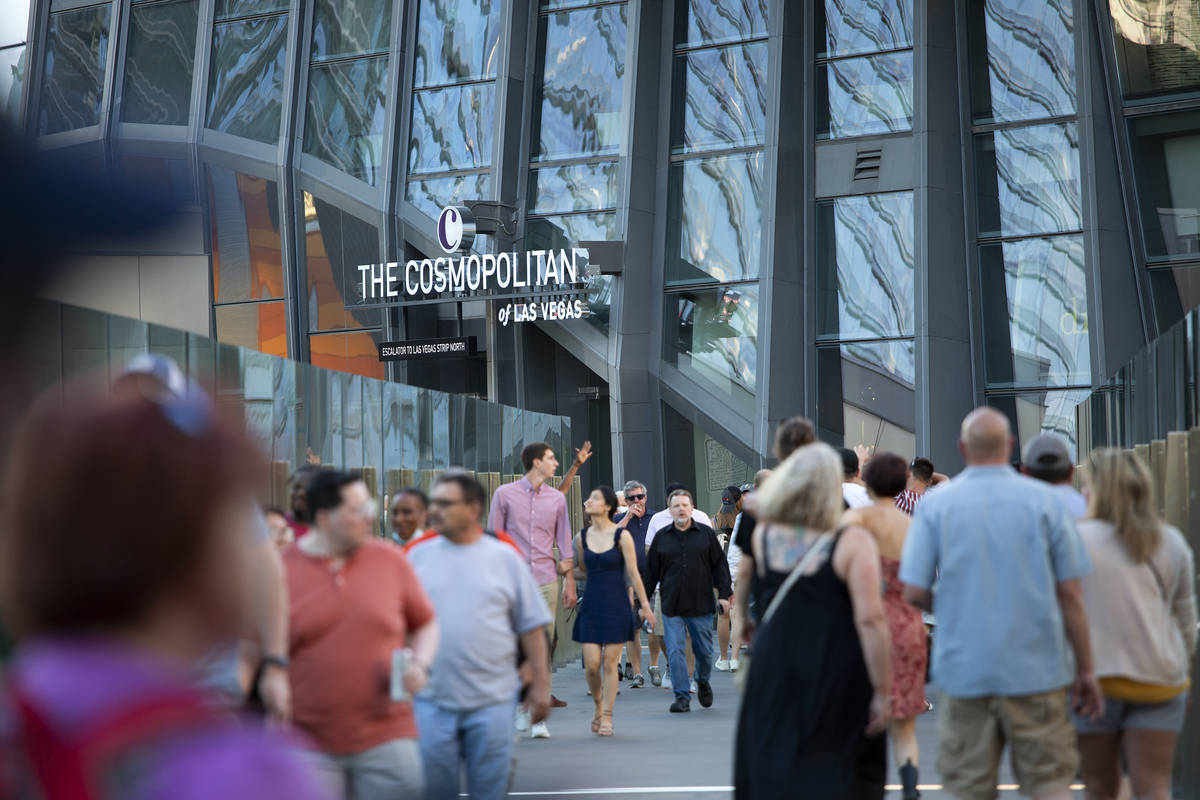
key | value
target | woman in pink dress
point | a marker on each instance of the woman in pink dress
(886, 475)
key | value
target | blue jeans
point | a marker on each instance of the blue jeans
(675, 630)
(481, 741)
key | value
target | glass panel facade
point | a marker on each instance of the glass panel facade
(247, 259)
(1028, 180)
(1042, 412)
(1176, 292)
(700, 462)
(865, 257)
(457, 40)
(864, 96)
(335, 243)
(703, 22)
(566, 230)
(574, 187)
(713, 337)
(1035, 312)
(14, 22)
(229, 9)
(855, 27)
(431, 195)
(720, 98)
(1166, 160)
(866, 396)
(255, 326)
(356, 353)
(12, 80)
(351, 28)
(452, 128)
(714, 228)
(1029, 47)
(159, 61)
(582, 80)
(346, 116)
(246, 86)
(1158, 47)
(73, 77)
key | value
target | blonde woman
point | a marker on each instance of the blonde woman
(817, 695)
(1142, 602)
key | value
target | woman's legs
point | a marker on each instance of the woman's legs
(612, 661)
(1099, 764)
(722, 636)
(1149, 755)
(903, 733)
(735, 622)
(591, 670)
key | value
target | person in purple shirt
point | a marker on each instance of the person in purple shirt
(534, 514)
(100, 702)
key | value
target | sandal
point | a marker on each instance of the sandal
(606, 726)
(596, 722)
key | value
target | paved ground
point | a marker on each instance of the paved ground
(654, 754)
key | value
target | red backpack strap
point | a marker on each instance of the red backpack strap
(72, 768)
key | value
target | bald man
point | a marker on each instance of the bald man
(1009, 610)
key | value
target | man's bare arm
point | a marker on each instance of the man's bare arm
(582, 454)
(916, 596)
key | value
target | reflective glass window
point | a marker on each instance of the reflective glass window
(1166, 160)
(1028, 180)
(1035, 413)
(452, 128)
(1176, 292)
(582, 81)
(14, 22)
(544, 233)
(246, 87)
(247, 259)
(1035, 312)
(356, 353)
(73, 74)
(855, 27)
(457, 40)
(351, 28)
(229, 9)
(865, 396)
(702, 22)
(712, 335)
(714, 224)
(1023, 59)
(431, 195)
(12, 79)
(574, 187)
(865, 257)
(720, 98)
(346, 115)
(335, 244)
(1158, 46)
(170, 175)
(256, 326)
(159, 61)
(865, 96)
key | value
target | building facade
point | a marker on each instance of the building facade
(877, 213)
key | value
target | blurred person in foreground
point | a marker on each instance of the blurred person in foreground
(488, 602)
(1143, 598)
(816, 701)
(725, 523)
(1012, 631)
(356, 606)
(111, 617)
(1046, 458)
(886, 476)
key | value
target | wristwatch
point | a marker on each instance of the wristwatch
(279, 662)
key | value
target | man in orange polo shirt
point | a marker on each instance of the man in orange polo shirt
(354, 602)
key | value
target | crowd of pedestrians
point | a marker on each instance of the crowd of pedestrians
(405, 665)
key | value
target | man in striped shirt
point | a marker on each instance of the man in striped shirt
(920, 478)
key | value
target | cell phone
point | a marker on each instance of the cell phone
(400, 661)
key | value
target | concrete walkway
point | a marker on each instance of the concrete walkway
(655, 755)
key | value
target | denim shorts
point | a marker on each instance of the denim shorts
(1121, 714)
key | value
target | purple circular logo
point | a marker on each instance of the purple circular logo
(450, 229)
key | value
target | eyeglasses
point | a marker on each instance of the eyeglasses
(635, 497)
(441, 502)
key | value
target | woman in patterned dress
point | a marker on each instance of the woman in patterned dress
(886, 475)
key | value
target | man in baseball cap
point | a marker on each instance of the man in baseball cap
(1047, 458)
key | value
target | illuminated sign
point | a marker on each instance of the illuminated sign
(424, 349)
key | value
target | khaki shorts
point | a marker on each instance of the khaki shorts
(550, 594)
(972, 733)
(658, 617)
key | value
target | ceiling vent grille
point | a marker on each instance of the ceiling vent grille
(866, 164)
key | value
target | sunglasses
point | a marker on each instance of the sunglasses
(635, 497)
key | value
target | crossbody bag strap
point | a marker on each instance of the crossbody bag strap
(795, 575)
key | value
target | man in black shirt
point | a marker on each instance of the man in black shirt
(686, 563)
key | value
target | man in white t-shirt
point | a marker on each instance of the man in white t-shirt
(853, 490)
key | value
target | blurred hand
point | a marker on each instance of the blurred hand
(538, 700)
(570, 599)
(415, 677)
(310, 457)
(723, 605)
(648, 616)
(864, 454)
(275, 690)
(582, 454)
(637, 509)
(878, 719)
(1086, 698)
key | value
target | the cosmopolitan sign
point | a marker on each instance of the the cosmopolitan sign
(560, 271)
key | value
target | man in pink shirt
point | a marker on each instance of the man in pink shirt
(534, 514)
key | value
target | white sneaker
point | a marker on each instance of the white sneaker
(539, 731)
(666, 681)
(692, 689)
(721, 665)
(521, 721)
(733, 665)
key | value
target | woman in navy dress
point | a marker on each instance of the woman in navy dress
(605, 618)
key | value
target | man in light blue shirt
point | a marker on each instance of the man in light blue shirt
(1008, 559)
